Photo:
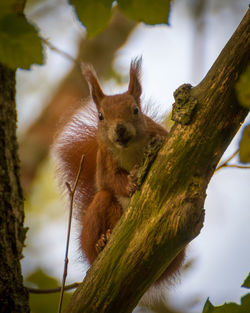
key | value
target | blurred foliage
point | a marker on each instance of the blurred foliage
(16, 33)
(94, 15)
(246, 283)
(149, 12)
(16, 36)
(48, 302)
(44, 193)
(243, 93)
(243, 88)
(45, 212)
(244, 307)
(245, 145)
(43, 208)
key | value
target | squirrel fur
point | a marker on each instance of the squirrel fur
(113, 139)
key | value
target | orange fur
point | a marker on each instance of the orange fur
(102, 214)
(68, 149)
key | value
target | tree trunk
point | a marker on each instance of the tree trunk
(168, 212)
(13, 296)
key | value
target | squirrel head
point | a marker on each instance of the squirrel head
(121, 121)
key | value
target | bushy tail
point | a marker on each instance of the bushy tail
(76, 139)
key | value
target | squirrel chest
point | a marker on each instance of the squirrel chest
(112, 160)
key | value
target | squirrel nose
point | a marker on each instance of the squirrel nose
(120, 129)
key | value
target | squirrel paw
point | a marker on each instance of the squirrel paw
(132, 180)
(153, 147)
(101, 243)
(154, 140)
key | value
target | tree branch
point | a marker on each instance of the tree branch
(168, 212)
(71, 191)
(225, 163)
(52, 290)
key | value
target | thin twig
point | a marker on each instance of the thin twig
(237, 166)
(59, 51)
(66, 260)
(52, 290)
(225, 164)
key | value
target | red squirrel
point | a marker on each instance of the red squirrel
(113, 150)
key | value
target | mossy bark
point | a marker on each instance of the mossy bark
(13, 296)
(168, 212)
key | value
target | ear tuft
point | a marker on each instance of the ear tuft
(89, 73)
(134, 87)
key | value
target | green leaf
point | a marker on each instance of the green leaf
(243, 89)
(245, 304)
(244, 307)
(208, 307)
(40, 303)
(94, 15)
(20, 45)
(147, 11)
(42, 280)
(246, 283)
(12, 6)
(245, 145)
(225, 308)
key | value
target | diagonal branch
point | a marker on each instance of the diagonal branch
(168, 212)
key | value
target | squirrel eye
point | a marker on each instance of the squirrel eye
(100, 116)
(136, 110)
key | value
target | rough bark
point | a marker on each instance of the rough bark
(13, 296)
(168, 212)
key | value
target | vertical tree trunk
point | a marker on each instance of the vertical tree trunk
(13, 295)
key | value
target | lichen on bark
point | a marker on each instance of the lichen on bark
(184, 106)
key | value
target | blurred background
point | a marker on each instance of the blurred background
(48, 95)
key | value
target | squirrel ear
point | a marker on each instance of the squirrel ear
(89, 73)
(134, 87)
